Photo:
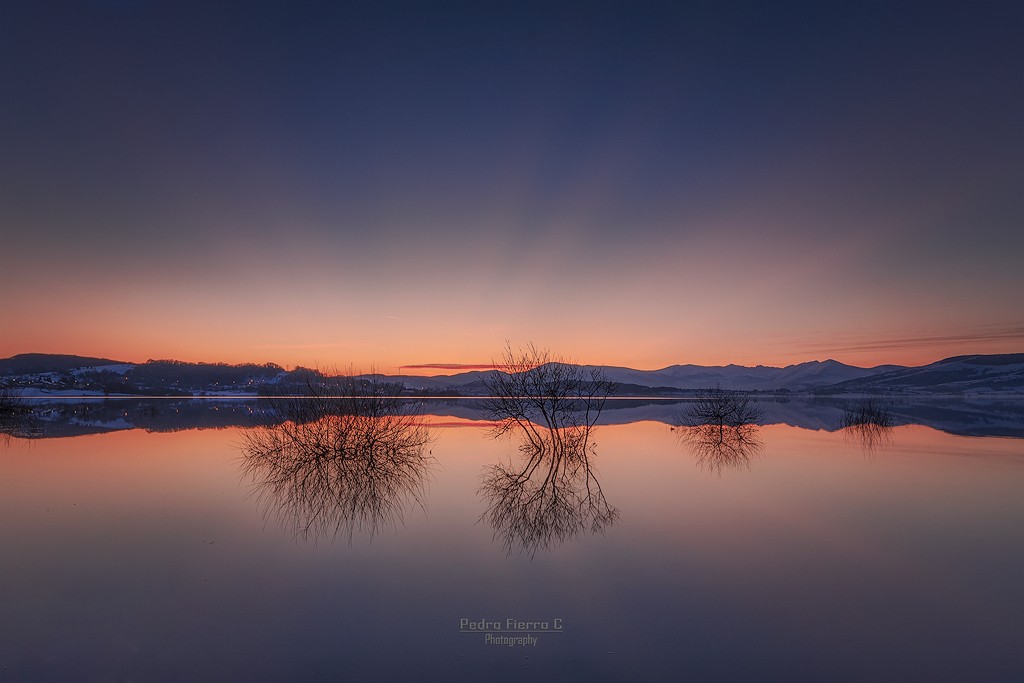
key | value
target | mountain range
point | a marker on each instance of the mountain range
(51, 374)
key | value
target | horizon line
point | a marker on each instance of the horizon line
(457, 368)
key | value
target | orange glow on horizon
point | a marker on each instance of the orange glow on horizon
(395, 361)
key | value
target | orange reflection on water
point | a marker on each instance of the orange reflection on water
(118, 476)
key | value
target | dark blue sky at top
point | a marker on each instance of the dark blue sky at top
(329, 109)
(147, 135)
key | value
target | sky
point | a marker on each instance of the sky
(388, 185)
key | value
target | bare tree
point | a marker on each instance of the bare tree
(722, 408)
(347, 457)
(551, 405)
(551, 402)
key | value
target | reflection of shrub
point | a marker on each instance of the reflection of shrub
(552, 497)
(16, 418)
(718, 447)
(12, 402)
(867, 412)
(344, 457)
(720, 427)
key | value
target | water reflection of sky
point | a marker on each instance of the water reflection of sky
(139, 555)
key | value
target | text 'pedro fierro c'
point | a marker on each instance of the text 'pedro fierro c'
(510, 632)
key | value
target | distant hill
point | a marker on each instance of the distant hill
(55, 374)
(978, 373)
(760, 378)
(30, 363)
(48, 374)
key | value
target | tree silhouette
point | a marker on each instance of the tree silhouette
(546, 399)
(551, 405)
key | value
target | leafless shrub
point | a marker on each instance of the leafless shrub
(551, 402)
(867, 412)
(722, 408)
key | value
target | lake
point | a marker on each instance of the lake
(146, 540)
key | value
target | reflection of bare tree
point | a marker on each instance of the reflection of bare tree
(16, 418)
(550, 498)
(869, 424)
(870, 437)
(717, 447)
(719, 427)
(551, 405)
(11, 401)
(346, 458)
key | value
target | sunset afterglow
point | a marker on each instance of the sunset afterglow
(364, 189)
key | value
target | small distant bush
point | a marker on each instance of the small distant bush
(868, 412)
(722, 408)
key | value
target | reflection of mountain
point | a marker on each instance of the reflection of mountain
(76, 417)
(969, 417)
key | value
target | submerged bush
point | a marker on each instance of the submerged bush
(722, 408)
(867, 412)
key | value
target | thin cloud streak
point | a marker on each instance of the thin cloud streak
(1011, 333)
(324, 345)
(452, 366)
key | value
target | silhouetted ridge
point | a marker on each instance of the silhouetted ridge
(26, 363)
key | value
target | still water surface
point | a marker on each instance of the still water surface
(136, 555)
